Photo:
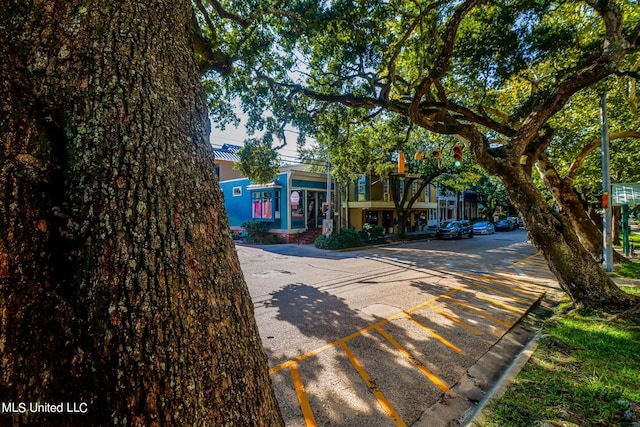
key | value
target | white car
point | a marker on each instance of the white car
(483, 227)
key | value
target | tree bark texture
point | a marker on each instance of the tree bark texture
(572, 206)
(119, 282)
(578, 274)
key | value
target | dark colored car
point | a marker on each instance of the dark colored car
(454, 230)
(505, 225)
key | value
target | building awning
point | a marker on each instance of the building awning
(269, 186)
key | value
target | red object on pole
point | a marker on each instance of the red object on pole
(400, 162)
(605, 201)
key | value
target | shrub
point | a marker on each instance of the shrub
(347, 238)
(256, 228)
(372, 234)
(321, 242)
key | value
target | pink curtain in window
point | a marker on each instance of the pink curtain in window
(267, 209)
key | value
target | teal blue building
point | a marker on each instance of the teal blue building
(290, 204)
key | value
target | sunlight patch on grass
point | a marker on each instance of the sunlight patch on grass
(585, 371)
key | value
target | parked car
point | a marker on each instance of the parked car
(514, 220)
(454, 230)
(483, 227)
(505, 225)
(520, 223)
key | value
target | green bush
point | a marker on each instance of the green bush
(255, 229)
(321, 242)
(347, 238)
(372, 234)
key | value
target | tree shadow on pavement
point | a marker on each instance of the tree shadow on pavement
(337, 393)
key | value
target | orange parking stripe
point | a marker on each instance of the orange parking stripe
(434, 379)
(513, 297)
(395, 417)
(302, 396)
(426, 303)
(503, 305)
(523, 260)
(516, 288)
(480, 312)
(358, 333)
(523, 282)
(455, 320)
(437, 336)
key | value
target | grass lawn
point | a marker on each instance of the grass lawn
(629, 269)
(585, 372)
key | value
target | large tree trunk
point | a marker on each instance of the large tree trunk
(578, 274)
(572, 206)
(120, 288)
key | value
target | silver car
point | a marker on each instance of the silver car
(483, 227)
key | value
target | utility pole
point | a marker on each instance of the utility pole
(607, 237)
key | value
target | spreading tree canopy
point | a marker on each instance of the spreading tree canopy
(493, 73)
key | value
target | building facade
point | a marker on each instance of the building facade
(369, 199)
(291, 204)
(225, 159)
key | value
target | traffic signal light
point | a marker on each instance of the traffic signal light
(436, 153)
(457, 155)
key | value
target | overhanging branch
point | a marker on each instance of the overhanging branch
(595, 143)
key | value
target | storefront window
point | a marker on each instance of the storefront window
(297, 202)
(265, 205)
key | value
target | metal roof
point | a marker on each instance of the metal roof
(227, 152)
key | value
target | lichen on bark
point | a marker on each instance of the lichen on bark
(117, 266)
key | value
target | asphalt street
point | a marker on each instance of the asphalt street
(394, 334)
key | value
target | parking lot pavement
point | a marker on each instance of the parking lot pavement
(416, 350)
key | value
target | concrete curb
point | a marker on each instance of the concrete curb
(476, 417)
(489, 376)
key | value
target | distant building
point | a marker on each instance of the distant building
(290, 204)
(225, 158)
(368, 199)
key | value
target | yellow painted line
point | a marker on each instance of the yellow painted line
(395, 417)
(427, 373)
(480, 312)
(358, 333)
(280, 367)
(523, 260)
(515, 288)
(528, 283)
(455, 320)
(503, 305)
(426, 303)
(302, 396)
(436, 335)
(513, 297)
